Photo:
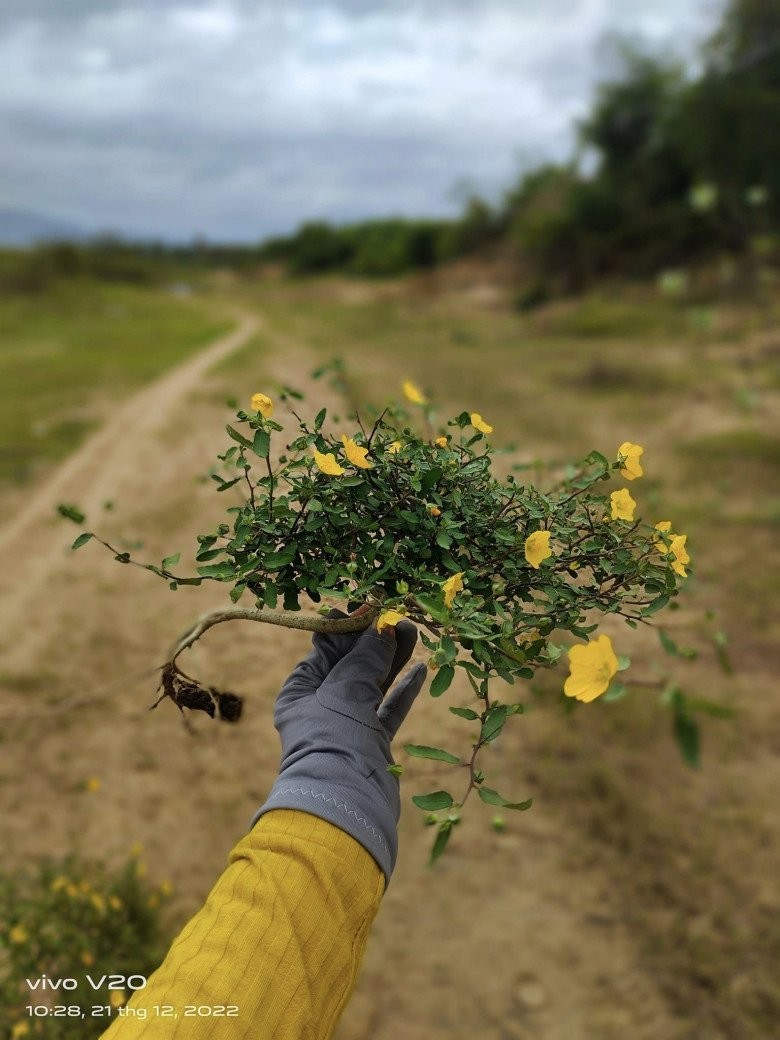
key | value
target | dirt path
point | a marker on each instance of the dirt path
(90, 477)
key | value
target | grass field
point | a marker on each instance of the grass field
(638, 897)
(68, 353)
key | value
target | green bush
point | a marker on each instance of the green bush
(83, 924)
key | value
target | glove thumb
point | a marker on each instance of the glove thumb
(395, 707)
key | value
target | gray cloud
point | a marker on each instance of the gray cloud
(239, 119)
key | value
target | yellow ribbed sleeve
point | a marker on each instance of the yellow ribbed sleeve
(280, 938)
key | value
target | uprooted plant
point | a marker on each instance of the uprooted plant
(418, 525)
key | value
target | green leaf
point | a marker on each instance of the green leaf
(262, 443)
(275, 561)
(170, 561)
(238, 437)
(320, 419)
(423, 751)
(217, 570)
(490, 796)
(237, 593)
(440, 841)
(431, 605)
(615, 692)
(396, 770)
(623, 662)
(228, 484)
(449, 649)
(82, 540)
(442, 680)
(656, 605)
(493, 723)
(668, 643)
(687, 735)
(465, 713)
(721, 649)
(71, 513)
(434, 800)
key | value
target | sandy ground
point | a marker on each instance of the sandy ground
(514, 936)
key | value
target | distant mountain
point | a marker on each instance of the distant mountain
(22, 228)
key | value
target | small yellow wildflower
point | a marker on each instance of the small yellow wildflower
(58, 883)
(92, 784)
(623, 505)
(591, 669)
(98, 902)
(479, 423)
(441, 441)
(537, 548)
(629, 453)
(19, 1029)
(326, 463)
(18, 935)
(388, 619)
(71, 891)
(117, 998)
(394, 447)
(681, 557)
(434, 510)
(665, 526)
(263, 404)
(356, 454)
(413, 393)
(115, 902)
(452, 586)
(166, 888)
(87, 959)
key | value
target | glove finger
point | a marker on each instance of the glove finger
(398, 702)
(327, 649)
(405, 640)
(359, 677)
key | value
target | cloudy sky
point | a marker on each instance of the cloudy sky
(240, 118)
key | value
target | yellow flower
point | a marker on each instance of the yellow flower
(71, 891)
(629, 454)
(664, 526)
(452, 586)
(117, 998)
(140, 869)
(263, 404)
(87, 959)
(98, 902)
(327, 463)
(356, 454)
(136, 849)
(19, 1029)
(434, 510)
(115, 902)
(388, 619)
(413, 393)
(166, 888)
(441, 441)
(58, 883)
(394, 448)
(537, 548)
(623, 505)
(681, 557)
(591, 669)
(92, 784)
(479, 423)
(18, 935)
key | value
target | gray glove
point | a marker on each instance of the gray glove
(336, 730)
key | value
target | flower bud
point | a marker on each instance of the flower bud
(402, 588)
